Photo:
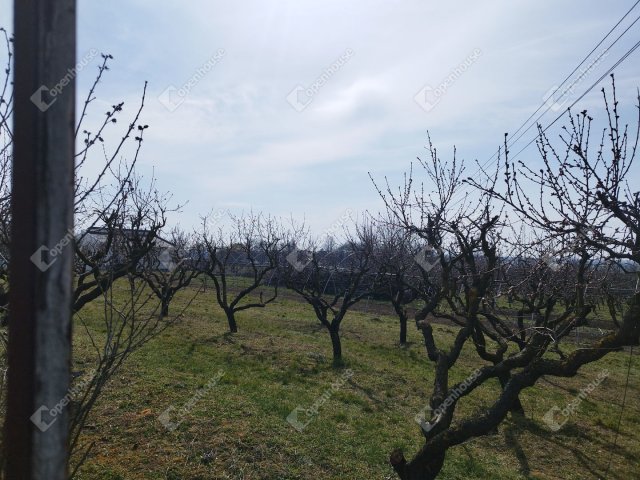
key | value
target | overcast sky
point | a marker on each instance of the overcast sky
(243, 137)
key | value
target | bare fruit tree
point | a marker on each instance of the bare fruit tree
(119, 216)
(240, 261)
(170, 267)
(118, 213)
(334, 279)
(397, 269)
(483, 261)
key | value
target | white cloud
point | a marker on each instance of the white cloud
(236, 139)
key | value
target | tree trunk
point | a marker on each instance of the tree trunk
(334, 332)
(402, 315)
(164, 301)
(403, 329)
(517, 407)
(426, 468)
(233, 326)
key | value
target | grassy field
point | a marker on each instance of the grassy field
(230, 396)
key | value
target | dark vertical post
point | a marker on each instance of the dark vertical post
(36, 438)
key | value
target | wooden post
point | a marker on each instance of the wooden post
(36, 426)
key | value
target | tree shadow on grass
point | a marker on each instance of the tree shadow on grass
(595, 466)
(367, 392)
(511, 436)
(570, 390)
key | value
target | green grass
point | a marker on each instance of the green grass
(281, 359)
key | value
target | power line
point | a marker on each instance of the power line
(489, 161)
(510, 143)
(549, 106)
(584, 60)
(623, 58)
